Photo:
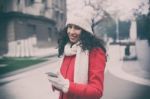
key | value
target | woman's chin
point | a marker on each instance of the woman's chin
(72, 41)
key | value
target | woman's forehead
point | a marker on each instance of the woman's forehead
(73, 25)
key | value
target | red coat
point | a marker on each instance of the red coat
(94, 88)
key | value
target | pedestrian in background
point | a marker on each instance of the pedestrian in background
(82, 67)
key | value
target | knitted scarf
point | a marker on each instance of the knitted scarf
(81, 62)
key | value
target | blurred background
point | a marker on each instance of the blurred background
(29, 30)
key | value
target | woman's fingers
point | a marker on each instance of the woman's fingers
(53, 79)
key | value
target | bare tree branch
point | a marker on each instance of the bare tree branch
(99, 10)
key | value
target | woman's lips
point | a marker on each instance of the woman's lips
(73, 37)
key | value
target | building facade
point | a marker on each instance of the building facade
(29, 25)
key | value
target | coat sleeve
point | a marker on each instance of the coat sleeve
(94, 88)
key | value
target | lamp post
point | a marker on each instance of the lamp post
(117, 29)
(149, 19)
(149, 9)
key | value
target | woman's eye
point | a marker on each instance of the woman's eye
(69, 26)
(76, 27)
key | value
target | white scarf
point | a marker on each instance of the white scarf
(81, 62)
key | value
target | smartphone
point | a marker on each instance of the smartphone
(51, 74)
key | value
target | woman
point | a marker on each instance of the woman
(81, 73)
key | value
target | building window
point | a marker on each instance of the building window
(57, 15)
(56, 3)
(62, 16)
(31, 28)
(18, 2)
(49, 34)
(29, 2)
(1, 7)
(44, 1)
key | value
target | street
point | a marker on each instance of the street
(33, 83)
(34, 32)
(116, 88)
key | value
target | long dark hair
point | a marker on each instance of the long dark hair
(88, 41)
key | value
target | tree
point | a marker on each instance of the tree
(122, 9)
(118, 10)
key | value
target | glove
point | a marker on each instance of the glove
(60, 82)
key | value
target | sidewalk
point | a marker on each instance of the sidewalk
(134, 68)
(32, 84)
(127, 70)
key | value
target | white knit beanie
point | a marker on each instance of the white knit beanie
(82, 18)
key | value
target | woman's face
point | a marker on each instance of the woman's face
(73, 32)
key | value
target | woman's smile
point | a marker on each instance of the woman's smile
(73, 33)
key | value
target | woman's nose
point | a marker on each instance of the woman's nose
(72, 30)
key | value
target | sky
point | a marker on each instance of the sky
(124, 6)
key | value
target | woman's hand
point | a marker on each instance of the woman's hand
(59, 82)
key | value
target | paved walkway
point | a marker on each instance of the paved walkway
(127, 70)
(134, 68)
(33, 84)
